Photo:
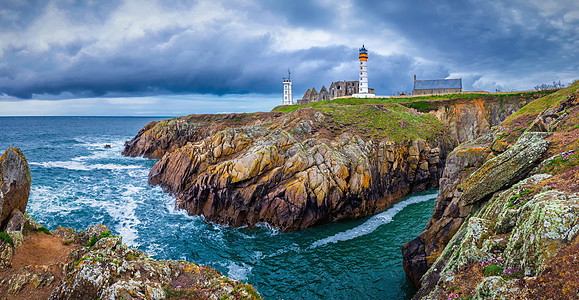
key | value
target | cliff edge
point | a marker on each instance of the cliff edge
(298, 166)
(506, 218)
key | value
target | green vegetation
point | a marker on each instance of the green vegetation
(388, 121)
(551, 100)
(422, 106)
(95, 239)
(514, 202)
(412, 99)
(561, 163)
(5, 237)
(498, 267)
(493, 270)
(390, 118)
(178, 293)
(42, 229)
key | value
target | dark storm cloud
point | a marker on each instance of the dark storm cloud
(498, 35)
(89, 49)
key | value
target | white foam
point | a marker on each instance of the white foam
(124, 213)
(374, 222)
(238, 272)
(81, 166)
(272, 230)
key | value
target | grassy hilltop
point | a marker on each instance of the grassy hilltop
(397, 118)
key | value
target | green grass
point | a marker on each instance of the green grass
(561, 163)
(551, 100)
(422, 99)
(95, 238)
(42, 229)
(493, 270)
(389, 121)
(5, 237)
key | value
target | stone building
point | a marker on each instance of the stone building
(314, 96)
(343, 88)
(337, 89)
(437, 86)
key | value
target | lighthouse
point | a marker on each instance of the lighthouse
(287, 89)
(363, 56)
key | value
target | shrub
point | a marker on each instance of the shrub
(95, 238)
(493, 270)
(5, 237)
(498, 267)
(42, 229)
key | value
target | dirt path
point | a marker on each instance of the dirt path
(37, 267)
(41, 249)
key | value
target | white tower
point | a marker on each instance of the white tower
(287, 90)
(363, 85)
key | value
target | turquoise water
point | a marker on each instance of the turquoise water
(77, 183)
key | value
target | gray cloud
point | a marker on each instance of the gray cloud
(119, 48)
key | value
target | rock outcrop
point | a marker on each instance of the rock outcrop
(90, 264)
(304, 168)
(312, 165)
(467, 119)
(14, 186)
(158, 138)
(508, 203)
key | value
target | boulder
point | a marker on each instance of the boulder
(14, 184)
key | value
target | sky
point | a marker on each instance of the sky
(166, 58)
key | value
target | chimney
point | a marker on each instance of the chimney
(414, 77)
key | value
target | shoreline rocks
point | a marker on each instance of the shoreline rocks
(90, 264)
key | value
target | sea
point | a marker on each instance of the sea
(77, 182)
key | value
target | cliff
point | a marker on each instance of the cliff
(299, 169)
(90, 264)
(506, 218)
(303, 165)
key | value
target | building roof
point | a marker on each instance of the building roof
(438, 84)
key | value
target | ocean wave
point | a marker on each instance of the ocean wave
(374, 222)
(124, 213)
(270, 229)
(238, 271)
(81, 166)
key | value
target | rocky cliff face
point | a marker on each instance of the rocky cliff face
(301, 169)
(90, 264)
(467, 119)
(158, 138)
(317, 164)
(507, 204)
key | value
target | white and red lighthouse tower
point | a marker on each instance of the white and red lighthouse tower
(363, 91)
(363, 85)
